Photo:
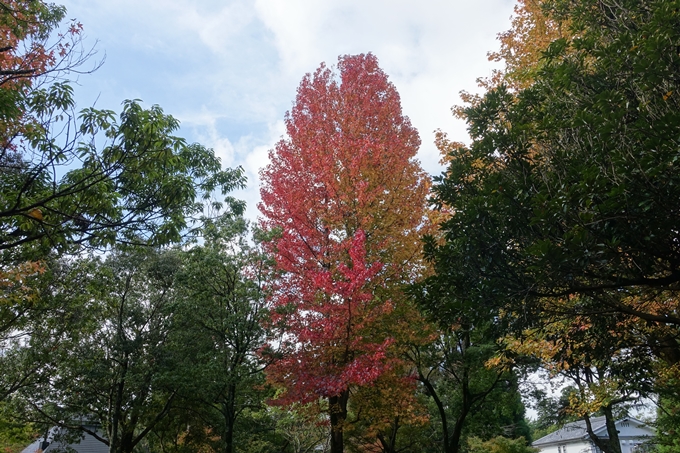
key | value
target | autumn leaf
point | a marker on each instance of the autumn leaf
(348, 198)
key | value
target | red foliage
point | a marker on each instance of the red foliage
(30, 56)
(347, 165)
(348, 200)
(330, 343)
(25, 48)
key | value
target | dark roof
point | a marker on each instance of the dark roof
(87, 444)
(571, 431)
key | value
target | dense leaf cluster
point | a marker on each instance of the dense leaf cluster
(556, 245)
(564, 208)
(89, 178)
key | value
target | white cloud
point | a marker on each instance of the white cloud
(229, 68)
(256, 157)
(217, 27)
(208, 135)
(431, 49)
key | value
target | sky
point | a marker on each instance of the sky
(229, 69)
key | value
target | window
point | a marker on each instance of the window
(641, 447)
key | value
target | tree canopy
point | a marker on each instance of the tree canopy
(91, 177)
(361, 315)
(568, 187)
(347, 199)
(563, 207)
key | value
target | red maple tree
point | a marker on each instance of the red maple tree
(348, 198)
(330, 342)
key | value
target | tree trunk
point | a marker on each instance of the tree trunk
(454, 442)
(614, 442)
(388, 440)
(126, 444)
(229, 414)
(229, 438)
(123, 444)
(337, 405)
(607, 446)
(440, 408)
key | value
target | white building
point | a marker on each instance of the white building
(574, 438)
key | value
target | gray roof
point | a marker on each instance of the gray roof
(87, 444)
(571, 431)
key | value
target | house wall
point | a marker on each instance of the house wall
(548, 449)
(631, 430)
(571, 447)
(578, 447)
(631, 435)
(627, 446)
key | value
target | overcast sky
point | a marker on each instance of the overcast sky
(229, 69)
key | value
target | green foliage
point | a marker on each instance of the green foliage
(91, 335)
(14, 436)
(144, 185)
(92, 178)
(220, 307)
(299, 432)
(158, 346)
(569, 185)
(668, 412)
(499, 445)
(101, 348)
(551, 412)
(564, 208)
(565, 205)
(469, 397)
(123, 367)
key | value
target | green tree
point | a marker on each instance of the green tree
(551, 412)
(142, 186)
(48, 308)
(221, 310)
(569, 184)
(14, 436)
(500, 445)
(471, 396)
(667, 423)
(70, 180)
(607, 367)
(564, 206)
(87, 178)
(116, 363)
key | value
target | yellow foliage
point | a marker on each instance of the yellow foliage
(14, 283)
(532, 31)
(35, 213)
